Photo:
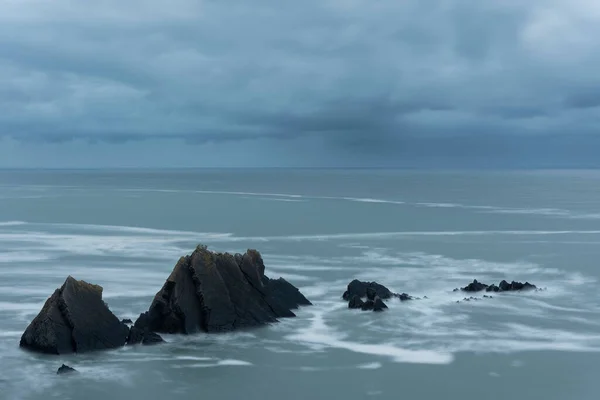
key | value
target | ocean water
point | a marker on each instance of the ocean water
(424, 233)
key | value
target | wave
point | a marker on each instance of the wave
(398, 234)
(220, 363)
(12, 223)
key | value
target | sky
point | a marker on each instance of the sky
(311, 83)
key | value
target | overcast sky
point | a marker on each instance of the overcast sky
(407, 83)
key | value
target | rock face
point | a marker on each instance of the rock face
(504, 286)
(219, 292)
(74, 320)
(355, 302)
(140, 333)
(378, 305)
(65, 369)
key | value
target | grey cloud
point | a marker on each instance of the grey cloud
(411, 76)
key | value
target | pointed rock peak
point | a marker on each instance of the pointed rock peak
(74, 284)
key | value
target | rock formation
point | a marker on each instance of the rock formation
(65, 369)
(140, 333)
(374, 292)
(219, 292)
(74, 320)
(361, 289)
(206, 292)
(504, 286)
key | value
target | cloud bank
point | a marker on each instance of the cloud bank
(312, 83)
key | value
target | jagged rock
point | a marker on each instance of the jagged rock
(355, 302)
(503, 286)
(140, 333)
(371, 290)
(145, 337)
(368, 305)
(358, 288)
(65, 369)
(474, 286)
(492, 288)
(379, 305)
(220, 292)
(403, 297)
(371, 293)
(127, 321)
(74, 320)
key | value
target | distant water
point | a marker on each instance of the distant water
(423, 233)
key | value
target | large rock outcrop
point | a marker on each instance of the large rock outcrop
(219, 292)
(74, 320)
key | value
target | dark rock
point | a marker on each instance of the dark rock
(474, 286)
(492, 288)
(355, 302)
(379, 305)
(143, 336)
(140, 333)
(504, 286)
(65, 369)
(371, 293)
(485, 296)
(368, 305)
(127, 321)
(403, 297)
(456, 290)
(358, 288)
(74, 320)
(219, 292)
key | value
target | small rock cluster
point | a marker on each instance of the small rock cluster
(374, 293)
(504, 286)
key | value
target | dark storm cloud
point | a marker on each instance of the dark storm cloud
(426, 77)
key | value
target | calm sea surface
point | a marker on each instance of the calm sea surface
(423, 233)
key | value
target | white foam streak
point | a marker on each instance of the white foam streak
(320, 334)
(12, 223)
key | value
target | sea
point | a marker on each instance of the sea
(419, 232)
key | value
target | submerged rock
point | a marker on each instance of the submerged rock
(141, 334)
(368, 305)
(379, 305)
(74, 320)
(355, 302)
(65, 369)
(403, 297)
(219, 292)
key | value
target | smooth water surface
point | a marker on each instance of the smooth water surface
(423, 233)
